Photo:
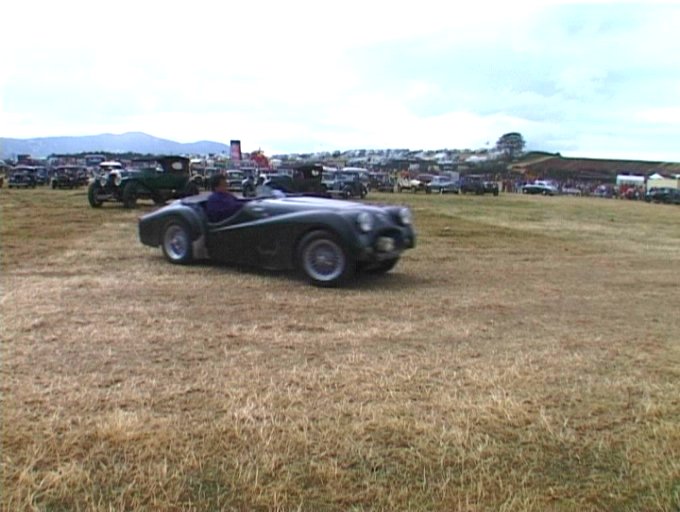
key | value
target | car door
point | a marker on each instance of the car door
(255, 237)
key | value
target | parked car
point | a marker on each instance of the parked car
(304, 179)
(327, 240)
(407, 183)
(471, 185)
(21, 179)
(159, 179)
(540, 187)
(442, 185)
(491, 187)
(381, 182)
(344, 184)
(235, 180)
(666, 195)
(67, 176)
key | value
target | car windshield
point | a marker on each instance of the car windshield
(235, 175)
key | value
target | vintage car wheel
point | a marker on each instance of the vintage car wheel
(130, 195)
(323, 260)
(192, 189)
(177, 243)
(248, 191)
(382, 267)
(93, 194)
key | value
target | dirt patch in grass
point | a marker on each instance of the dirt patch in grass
(524, 356)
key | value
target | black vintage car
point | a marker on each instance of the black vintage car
(327, 240)
(68, 176)
(666, 195)
(22, 179)
(472, 185)
(303, 179)
(345, 183)
(381, 182)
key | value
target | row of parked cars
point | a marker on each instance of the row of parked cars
(63, 176)
(429, 184)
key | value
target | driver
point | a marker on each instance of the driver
(221, 203)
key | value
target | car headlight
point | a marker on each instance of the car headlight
(117, 179)
(365, 221)
(405, 216)
(102, 180)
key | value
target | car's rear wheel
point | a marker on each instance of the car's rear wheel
(93, 195)
(130, 195)
(176, 243)
(322, 259)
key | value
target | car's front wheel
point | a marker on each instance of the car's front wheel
(322, 259)
(93, 194)
(176, 243)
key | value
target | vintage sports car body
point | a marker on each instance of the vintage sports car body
(327, 240)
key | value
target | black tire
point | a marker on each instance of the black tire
(130, 195)
(248, 191)
(323, 261)
(176, 242)
(383, 267)
(54, 185)
(428, 190)
(192, 189)
(93, 193)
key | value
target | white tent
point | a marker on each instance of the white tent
(626, 179)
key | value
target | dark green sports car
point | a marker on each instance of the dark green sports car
(327, 240)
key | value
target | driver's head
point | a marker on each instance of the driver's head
(218, 183)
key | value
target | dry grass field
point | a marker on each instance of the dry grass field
(525, 356)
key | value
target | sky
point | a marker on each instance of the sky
(599, 80)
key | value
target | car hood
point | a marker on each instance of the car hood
(302, 203)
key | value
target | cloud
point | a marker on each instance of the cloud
(303, 75)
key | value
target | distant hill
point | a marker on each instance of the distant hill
(135, 142)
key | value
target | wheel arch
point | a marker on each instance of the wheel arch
(151, 225)
(338, 227)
